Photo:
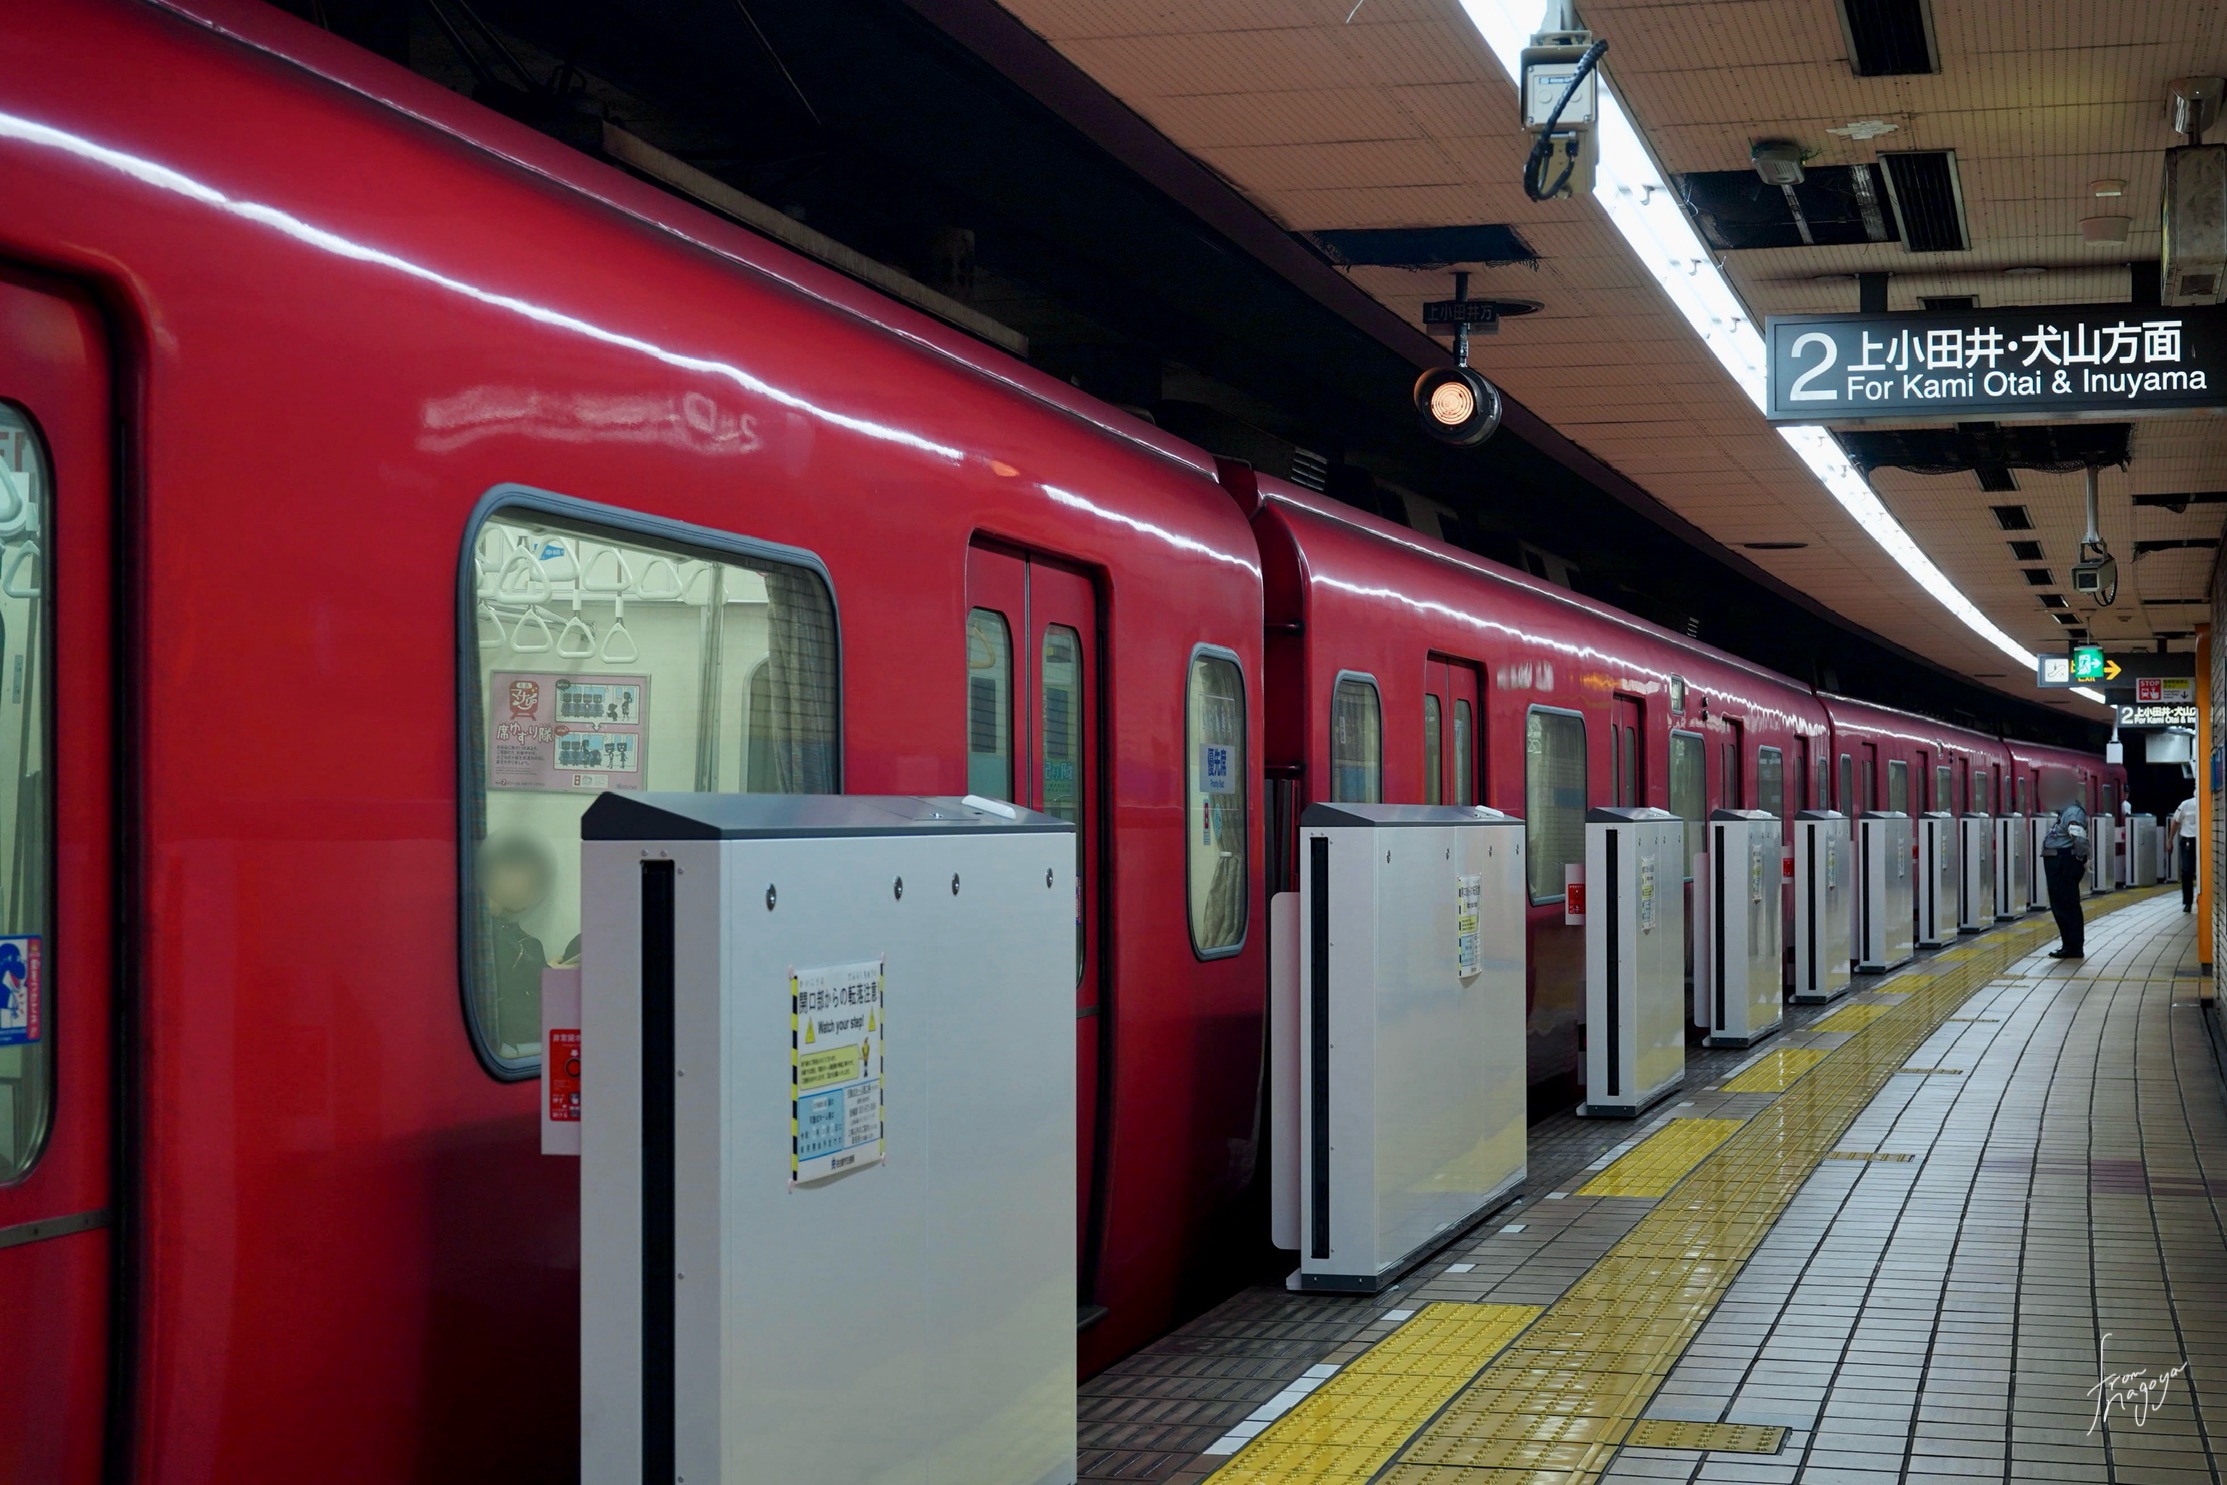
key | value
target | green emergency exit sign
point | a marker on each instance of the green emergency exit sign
(2087, 664)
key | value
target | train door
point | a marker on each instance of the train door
(1730, 759)
(56, 915)
(1627, 755)
(1867, 778)
(1033, 737)
(1453, 706)
(1918, 803)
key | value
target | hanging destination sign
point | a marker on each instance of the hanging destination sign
(2057, 361)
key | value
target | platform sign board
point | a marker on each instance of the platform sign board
(2053, 670)
(2157, 716)
(2059, 361)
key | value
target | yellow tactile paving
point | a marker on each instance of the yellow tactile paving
(1660, 1161)
(1567, 1386)
(1716, 1438)
(1346, 1429)
(1852, 1017)
(1775, 1072)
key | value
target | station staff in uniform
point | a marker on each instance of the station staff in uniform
(2064, 859)
(2181, 831)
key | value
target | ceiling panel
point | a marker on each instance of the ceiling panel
(1402, 118)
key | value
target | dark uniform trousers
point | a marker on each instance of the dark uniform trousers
(2063, 872)
(2187, 848)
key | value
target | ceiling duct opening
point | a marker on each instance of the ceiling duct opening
(1889, 38)
(2026, 551)
(2009, 517)
(1928, 200)
(2053, 448)
(1831, 206)
(1484, 245)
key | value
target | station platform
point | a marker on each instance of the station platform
(1963, 1224)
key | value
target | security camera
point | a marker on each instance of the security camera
(2098, 577)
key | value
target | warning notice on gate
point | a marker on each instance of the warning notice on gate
(1469, 891)
(20, 987)
(835, 1070)
(566, 732)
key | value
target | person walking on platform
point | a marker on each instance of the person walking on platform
(2180, 832)
(2064, 859)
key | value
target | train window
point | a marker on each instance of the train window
(1770, 780)
(2025, 795)
(1728, 755)
(601, 656)
(989, 704)
(1898, 786)
(26, 996)
(1689, 791)
(2110, 799)
(1847, 785)
(1434, 756)
(1356, 742)
(1465, 754)
(1214, 738)
(1942, 786)
(1553, 797)
(1060, 781)
(1824, 796)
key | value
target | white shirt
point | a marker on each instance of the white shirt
(2183, 819)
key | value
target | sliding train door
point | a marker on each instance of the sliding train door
(1033, 739)
(56, 917)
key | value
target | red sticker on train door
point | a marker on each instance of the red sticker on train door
(564, 1076)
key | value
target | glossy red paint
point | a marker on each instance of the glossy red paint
(1352, 595)
(350, 1263)
(343, 306)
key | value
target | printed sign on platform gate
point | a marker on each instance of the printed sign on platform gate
(836, 1038)
(21, 1014)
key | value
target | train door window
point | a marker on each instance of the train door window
(1770, 781)
(1794, 796)
(1867, 778)
(1823, 795)
(1689, 790)
(1214, 753)
(1624, 732)
(1465, 752)
(989, 704)
(1554, 797)
(1847, 794)
(1898, 786)
(1942, 787)
(26, 1005)
(1728, 756)
(1434, 751)
(602, 656)
(1356, 742)
(1059, 752)
(2111, 799)
(2025, 794)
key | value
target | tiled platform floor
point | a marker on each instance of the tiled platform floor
(1826, 1330)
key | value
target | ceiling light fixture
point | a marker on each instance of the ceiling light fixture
(2024, 271)
(1629, 187)
(2108, 187)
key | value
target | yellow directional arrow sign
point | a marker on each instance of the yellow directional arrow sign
(2110, 670)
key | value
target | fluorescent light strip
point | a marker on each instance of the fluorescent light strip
(1630, 188)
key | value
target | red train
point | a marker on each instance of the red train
(349, 434)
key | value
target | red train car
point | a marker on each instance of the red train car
(1404, 670)
(430, 432)
(330, 497)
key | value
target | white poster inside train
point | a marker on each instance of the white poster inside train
(566, 732)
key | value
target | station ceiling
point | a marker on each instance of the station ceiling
(1394, 114)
